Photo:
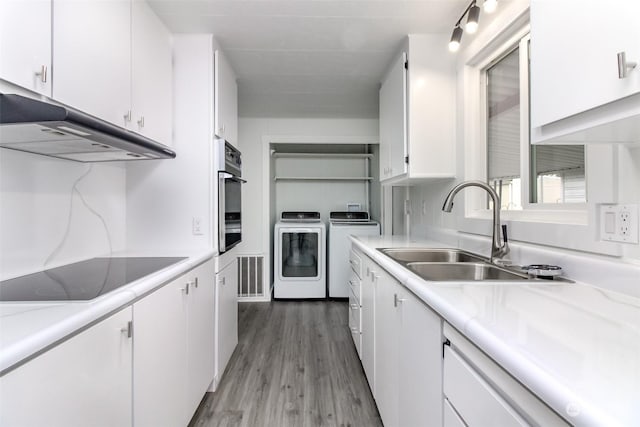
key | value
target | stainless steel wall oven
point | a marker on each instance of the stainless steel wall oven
(229, 171)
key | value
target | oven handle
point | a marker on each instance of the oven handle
(227, 175)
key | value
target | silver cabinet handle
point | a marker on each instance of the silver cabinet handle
(195, 282)
(624, 66)
(397, 300)
(185, 289)
(353, 329)
(127, 330)
(351, 283)
(141, 122)
(353, 306)
(42, 74)
(127, 116)
(223, 281)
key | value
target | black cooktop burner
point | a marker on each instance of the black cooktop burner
(81, 281)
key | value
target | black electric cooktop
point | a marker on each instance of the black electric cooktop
(81, 281)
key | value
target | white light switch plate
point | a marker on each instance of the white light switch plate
(196, 226)
(619, 223)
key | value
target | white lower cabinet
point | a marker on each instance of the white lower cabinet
(173, 353)
(200, 335)
(85, 381)
(367, 319)
(408, 356)
(481, 393)
(226, 317)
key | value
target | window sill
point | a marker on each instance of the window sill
(559, 216)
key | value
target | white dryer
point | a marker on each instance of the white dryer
(299, 270)
(341, 226)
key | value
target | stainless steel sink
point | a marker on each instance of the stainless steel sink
(407, 255)
(462, 271)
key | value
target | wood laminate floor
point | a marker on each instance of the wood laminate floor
(295, 365)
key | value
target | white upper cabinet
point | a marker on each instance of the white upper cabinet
(92, 57)
(574, 65)
(393, 120)
(25, 44)
(151, 71)
(112, 59)
(225, 99)
(417, 112)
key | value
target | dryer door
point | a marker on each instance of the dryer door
(300, 254)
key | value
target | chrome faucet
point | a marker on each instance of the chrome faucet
(499, 247)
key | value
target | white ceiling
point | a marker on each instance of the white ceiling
(309, 58)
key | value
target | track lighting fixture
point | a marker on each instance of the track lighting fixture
(489, 6)
(454, 44)
(472, 12)
(472, 19)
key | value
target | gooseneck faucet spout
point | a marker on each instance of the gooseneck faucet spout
(499, 248)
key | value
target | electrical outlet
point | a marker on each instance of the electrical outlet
(619, 223)
(196, 226)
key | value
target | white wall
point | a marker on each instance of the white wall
(256, 230)
(163, 197)
(37, 205)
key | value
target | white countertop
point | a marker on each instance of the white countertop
(574, 345)
(27, 329)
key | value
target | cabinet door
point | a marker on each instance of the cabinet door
(420, 363)
(225, 99)
(226, 316)
(367, 299)
(151, 74)
(575, 69)
(92, 57)
(85, 381)
(25, 44)
(160, 353)
(200, 334)
(393, 120)
(387, 330)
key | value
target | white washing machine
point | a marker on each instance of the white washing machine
(299, 270)
(341, 225)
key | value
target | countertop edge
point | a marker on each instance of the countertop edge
(94, 311)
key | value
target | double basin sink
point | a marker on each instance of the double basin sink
(451, 265)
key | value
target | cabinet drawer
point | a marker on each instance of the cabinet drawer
(356, 263)
(518, 398)
(355, 284)
(355, 322)
(451, 418)
(472, 397)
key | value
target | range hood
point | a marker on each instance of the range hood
(39, 127)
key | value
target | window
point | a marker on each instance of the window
(525, 175)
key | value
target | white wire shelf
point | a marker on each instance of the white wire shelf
(323, 155)
(322, 178)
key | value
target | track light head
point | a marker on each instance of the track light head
(472, 19)
(456, 36)
(490, 6)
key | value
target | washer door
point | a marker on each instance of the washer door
(300, 254)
